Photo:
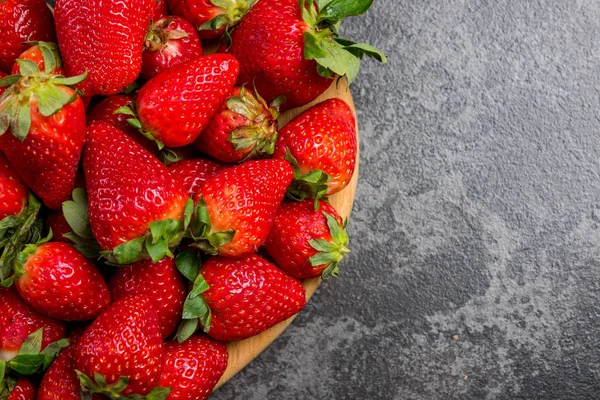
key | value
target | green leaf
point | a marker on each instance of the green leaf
(27, 67)
(2, 369)
(157, 250)
(200, 286)
(99, 379)
(76, 214)
(127, 253)
(158, 393)
(362, 50)
(127, 109)
(26, 364)
(337, 232)
(186, 329)
(49, 58)
(188, 263)
(23, 122)
(322, 258)
(187, 213)
(336, 10)
(10, 80)
(70, 81)
(322, 245)
(52, 350)
(33, 343)
(51, 99)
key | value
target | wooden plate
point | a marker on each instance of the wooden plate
(244, 351)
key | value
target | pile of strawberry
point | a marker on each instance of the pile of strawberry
(150, 208)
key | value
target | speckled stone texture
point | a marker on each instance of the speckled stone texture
(475, 271)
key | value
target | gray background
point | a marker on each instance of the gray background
(475, 270)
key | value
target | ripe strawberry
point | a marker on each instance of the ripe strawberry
(170, 41)
(124, 341)
(193, 368)
(13, 193)
(105, 39)
(176, 105)
(244, 127)
(288, 48)
(35, 54)
(305, 242)
(322, 145)
(42, 130)
(106, 111)
(245, 296)
(160, 10)
(161, 282)
(22, 21)
(236, 207)
(55, 220)
(23, 390)
(135, 205)
(211, 17)
(18, 320)
(58, 281)
(192, 174)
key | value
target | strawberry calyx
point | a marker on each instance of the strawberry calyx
(161, 238)
(50, 54)
(313, 185)
(115, 390)
(27, 252)
(76, 214)
(330, 253)
(7, 384)
(31, 85)
(158, 36)
(31, 359)
(196, 312)
(334, 55)
(200, 231)
(261, 134)
(15, 232)
(230, 12)
(129, 109)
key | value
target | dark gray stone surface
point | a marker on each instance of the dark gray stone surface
(475, 271)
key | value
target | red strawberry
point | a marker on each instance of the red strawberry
(176, 105)
(246, 296)
(55, 220)
(124, 341)
(322, 142)
(60, 282)
(22, 21)
(192, 174)
(160, 10)
(211, 17)
(305, 242)
(18, 320)
(243, 127)
(23, 390)
(105, 39)
(193, 368)
(161, 282)
(288, 48)
(132, 197)
(170, 41)
(42, 131)
(237, 206)
(105, 111)
(35, 54)
(13, 193)
(60, 381)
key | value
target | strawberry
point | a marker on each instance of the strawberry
(161, 282)
(58, 281)
(18, 320)
(170, 41)
(42, 129)
(193, 368)
(305, 242)
(22, 21)
(239, 298)
(55, 220)
(13, 193)
(160, 10)
(121, 351)
(105, 39)
(23, 389)
(236, 207)
(289, 48)
(321, 145)
(192, 174)
(176, 105)
(244, 127)
(135, 206)
(36, 54)
(106, 111)
(211, 17)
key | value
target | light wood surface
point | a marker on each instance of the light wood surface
(244, 351)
